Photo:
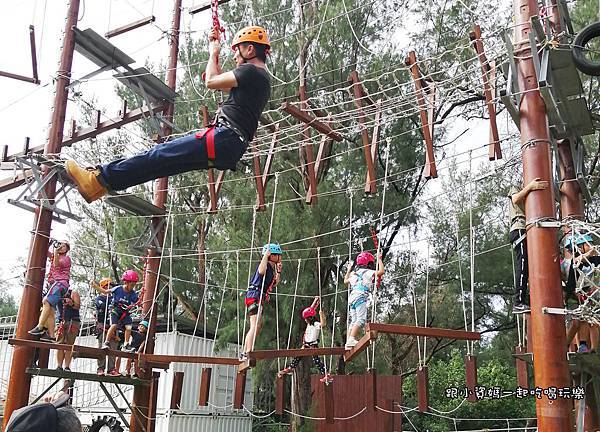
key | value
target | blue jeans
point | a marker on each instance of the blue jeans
(181, 155)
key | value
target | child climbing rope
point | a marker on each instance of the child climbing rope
(310, 339)
(124, 297)
(361, 282)
(57, 286)
(101, 304)
(580, 264)
(264, 279)
(518, 239)
(221, 145)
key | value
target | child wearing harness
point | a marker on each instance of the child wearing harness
(124, 297)
(68, 329)
(264, 279)
(310, 339)
(58, 285)
(361, 282)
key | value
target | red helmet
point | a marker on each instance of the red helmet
(309, 312)
(364, 258)
(130, 276)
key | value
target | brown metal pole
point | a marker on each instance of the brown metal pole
(19, 381)
(573, 207)
(548, 331)
(141, 394)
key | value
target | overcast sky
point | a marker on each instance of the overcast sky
(25, 107)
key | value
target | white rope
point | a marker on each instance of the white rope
(293, 307)
(262, 288)
(334, 315)
(220, 310)
(321, 306)
(237, 299)
(462, 288)
(243, 347)
(472, 250)
(378, 251)
(414, 296)
(426, 301)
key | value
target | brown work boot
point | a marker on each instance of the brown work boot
(86, 180)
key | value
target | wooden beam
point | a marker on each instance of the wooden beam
(166, 358)
(318, 161)
(307, 146)
(270, 156)
(422, 89)
(177, 390)
(362, 344)
(19, 77)
(34, 68)
(280, 394)
(86, 376)
(240, 390)
(370, 187)
(260, 190)
(306, 352)
(131, 26)
(358, 95)
(371, 390)
(153, 402)
(495, 151)
(423, 388)
(205, 387)
(329, 403)
(16, 181)
(204, 6)
(521, 366)
(433, 332)
(105, 126)
(471, 376)
(305, 117)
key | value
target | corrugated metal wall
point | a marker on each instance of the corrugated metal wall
(91, 401)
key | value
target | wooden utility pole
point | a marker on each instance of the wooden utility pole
(141, 394)
(19, 381)
(548, 331)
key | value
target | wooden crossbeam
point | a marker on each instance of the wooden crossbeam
(495, 151)
(424, 89)
(307, 147)
(432, 332)
(34, 79)
(131, 26)
(204, 6)
(92, 352)
(306, 352)
(362, 345)
(305, 117)
(324, 139)
(16, 181)
(105, 126)
(370, 187)
(359, 92)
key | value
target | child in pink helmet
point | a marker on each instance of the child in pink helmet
(360, 278)
(123, 298)
(310, 339)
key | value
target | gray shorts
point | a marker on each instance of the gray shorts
(358, 314)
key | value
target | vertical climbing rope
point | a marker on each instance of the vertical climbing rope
(320, 304)
(462, 289)
(414, 296)
(212, 352)
(249, 270)
(472, 249)
(262, 288)
(293, 306)
(334, 315)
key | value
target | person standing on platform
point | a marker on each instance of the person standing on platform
(361, 281)
(102, 305)
(517, 237)
(70, 323)
(263, 281)
(58, 279)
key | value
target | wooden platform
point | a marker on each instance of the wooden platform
(152, 360)
(55, 373)
(306, 352)
(372, 329)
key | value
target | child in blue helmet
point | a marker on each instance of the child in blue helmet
(264, 279)
(579, 268)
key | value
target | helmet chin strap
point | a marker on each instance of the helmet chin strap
(242, 55)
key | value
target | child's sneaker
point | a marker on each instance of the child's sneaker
(243, 357)
(351, 343)
(45, 337)
(284, 371)
(105, 346)
(113, 372)
(67, 369)
(37, 331)
(100, 371)
(326, 379)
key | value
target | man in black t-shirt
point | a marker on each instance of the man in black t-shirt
(221, 145)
